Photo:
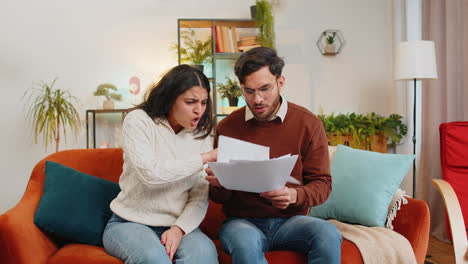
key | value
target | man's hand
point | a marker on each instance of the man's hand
(211, 178)
(171, 239)
(281, 198)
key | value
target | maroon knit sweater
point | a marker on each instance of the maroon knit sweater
(301, 133)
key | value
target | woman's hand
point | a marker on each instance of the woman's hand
(210, 156)
(171, 239)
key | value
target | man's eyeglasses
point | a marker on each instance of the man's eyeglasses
(263, 92)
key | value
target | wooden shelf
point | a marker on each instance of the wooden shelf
(227, 55)
(208, 23)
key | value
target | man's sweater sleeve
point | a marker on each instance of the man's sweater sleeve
(316, 171)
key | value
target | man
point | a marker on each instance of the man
(275, 220)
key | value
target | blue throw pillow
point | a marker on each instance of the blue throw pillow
(364, 184)
(75, 205)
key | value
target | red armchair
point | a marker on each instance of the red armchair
(21, 242)
(454, 183)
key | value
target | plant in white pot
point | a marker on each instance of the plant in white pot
(51, 111)
(105, 90)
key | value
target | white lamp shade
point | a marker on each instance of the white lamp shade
(415, 59)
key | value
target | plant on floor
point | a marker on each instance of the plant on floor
(361, 127)
(51, 111)
(265, 22)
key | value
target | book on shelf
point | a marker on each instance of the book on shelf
(247, 41)
(230, 40)
(219, 39)
(235, 37)
(248, 47)
(226, 45)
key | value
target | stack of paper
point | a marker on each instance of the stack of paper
(244, 166)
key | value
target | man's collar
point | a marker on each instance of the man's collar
(281, 114)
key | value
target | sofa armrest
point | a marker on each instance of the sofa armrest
(455, 217)
(413, 222)
(21, 241)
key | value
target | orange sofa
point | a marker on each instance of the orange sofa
(22, 242)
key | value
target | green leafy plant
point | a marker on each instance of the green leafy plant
(51, 111)
(265, 22)
(230, 90)
(193, 50)
(361, 127)
(330, 37)
(105, 90)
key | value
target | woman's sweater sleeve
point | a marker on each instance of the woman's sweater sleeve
(196, 207)
(138, 143)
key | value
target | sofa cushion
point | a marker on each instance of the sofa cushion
(74, 205)
(79, 254)
(363, 186)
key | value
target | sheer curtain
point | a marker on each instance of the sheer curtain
(444, 99)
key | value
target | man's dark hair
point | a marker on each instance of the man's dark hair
(256, 58)
(160, 98)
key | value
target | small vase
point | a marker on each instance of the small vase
(330, 49)
(233, 101)
(108, 104)
(199, 67)
(253, 11)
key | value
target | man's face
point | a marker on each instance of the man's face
(261, 90)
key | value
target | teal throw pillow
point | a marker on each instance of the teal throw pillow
(364, 184)
(75, 205)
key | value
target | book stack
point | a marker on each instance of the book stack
(246, 43)
(226, 39)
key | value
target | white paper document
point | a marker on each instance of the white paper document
(244, 166)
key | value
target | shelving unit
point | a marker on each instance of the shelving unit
(91, 128)
(222, 62)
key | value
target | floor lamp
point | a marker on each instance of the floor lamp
(415, 60)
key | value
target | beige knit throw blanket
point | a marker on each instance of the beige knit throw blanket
(378, 245)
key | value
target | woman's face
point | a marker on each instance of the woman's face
(188, 109)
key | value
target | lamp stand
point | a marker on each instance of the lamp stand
(414, 140)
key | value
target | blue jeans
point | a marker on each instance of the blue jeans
(136, 243)
(246, 239)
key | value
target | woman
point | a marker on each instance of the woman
(163, 194)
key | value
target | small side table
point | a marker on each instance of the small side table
(93, 113)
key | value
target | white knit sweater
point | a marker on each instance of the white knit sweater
(162, 183)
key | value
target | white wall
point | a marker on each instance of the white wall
(86, 43)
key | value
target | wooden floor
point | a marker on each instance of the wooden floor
(439, 252)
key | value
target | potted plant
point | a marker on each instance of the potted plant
(369, 131)
(51, 111)
(105, 90)
(330, 40)
(230, 90)
(265, 22)
(194, 51)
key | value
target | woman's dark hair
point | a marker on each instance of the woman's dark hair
(160, 98)
(256, 58)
